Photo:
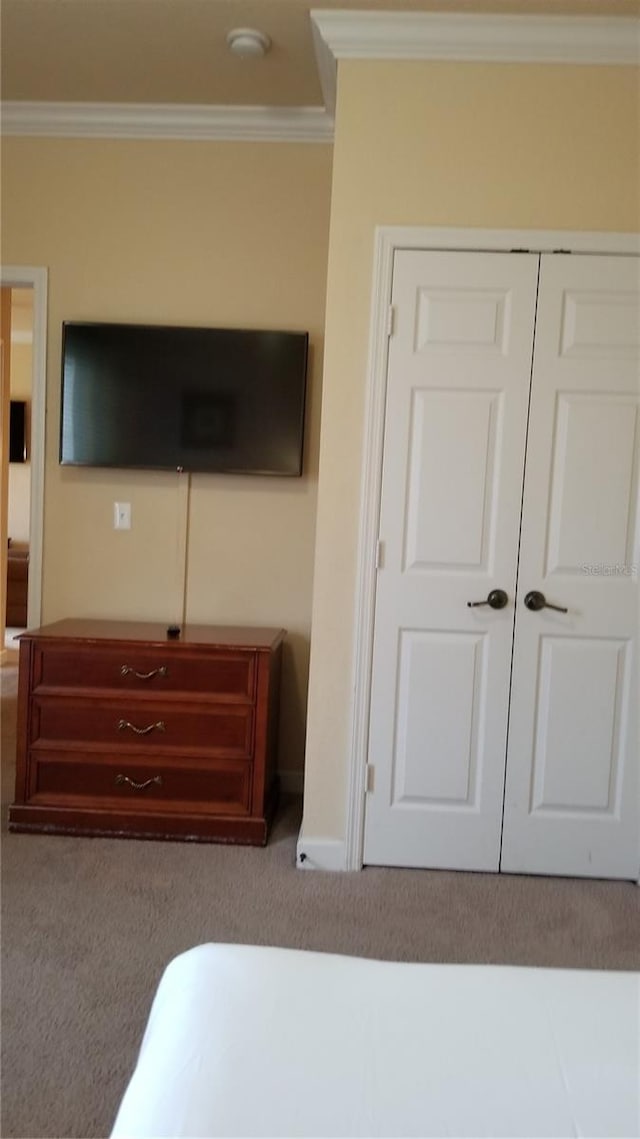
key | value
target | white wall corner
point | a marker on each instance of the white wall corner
(371, 487)
(320, 853)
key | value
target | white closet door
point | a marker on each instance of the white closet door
(571, 803)
(455, 426)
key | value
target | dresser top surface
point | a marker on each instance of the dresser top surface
(154, 632)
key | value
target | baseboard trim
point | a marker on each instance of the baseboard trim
(320, 853)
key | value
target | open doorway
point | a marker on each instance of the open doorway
(23, 409)
(19, 480)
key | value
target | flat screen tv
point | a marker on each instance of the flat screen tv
(181, 398)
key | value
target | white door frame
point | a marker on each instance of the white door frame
(388, 239)
(21, 277)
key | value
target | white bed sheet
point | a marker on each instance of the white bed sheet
(255, 1041)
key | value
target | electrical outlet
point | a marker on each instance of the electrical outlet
(122, 515)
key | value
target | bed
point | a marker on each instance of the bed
(255, 1041)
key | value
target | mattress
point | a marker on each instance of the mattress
(255, 1041)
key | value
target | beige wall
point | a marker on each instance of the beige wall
(494, 146)
(227, 234)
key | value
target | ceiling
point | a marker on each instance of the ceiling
(175, 52)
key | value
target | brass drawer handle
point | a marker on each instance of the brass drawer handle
(138, 786)
(126, 669)
(123, 724)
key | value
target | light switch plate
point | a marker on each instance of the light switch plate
(122, 515)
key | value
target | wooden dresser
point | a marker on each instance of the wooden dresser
(124, 732)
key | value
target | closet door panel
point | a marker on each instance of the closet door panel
(457, 399)
(571, 802)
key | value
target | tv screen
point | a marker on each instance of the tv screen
(179, 398)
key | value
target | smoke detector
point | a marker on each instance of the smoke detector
(248, 42)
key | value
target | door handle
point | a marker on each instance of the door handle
(536, 600)
(497, 599)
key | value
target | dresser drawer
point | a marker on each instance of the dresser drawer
(142, 725)
(154, 672)
(129, 783)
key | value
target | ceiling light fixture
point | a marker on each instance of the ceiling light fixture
(248, 41)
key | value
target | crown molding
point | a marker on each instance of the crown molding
(469, 38)
(167, 121)
(344, 35)
(485, 38)
(326, 64)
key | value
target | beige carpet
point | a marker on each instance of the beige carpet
(89, 924)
